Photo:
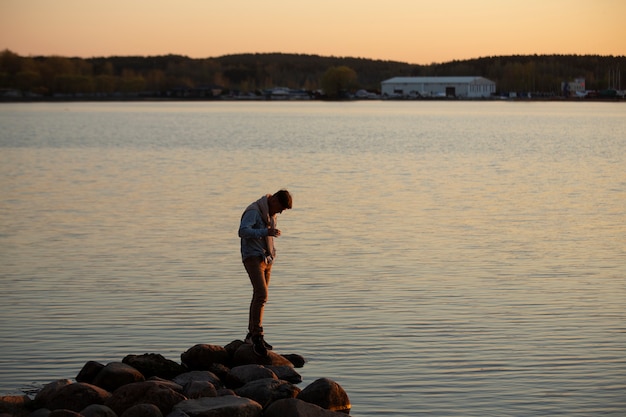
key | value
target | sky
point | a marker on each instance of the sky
(413, 31)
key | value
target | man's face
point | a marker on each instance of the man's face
(275, 207)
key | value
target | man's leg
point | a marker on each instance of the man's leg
(259, 273)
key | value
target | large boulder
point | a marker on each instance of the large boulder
(293, 407)
(208, 376)
(229, 406)
(146, 392)
(199, 389)
(244, 355)
(49, 391)
(89, 372)
(154, 364)
(72, 397)
(241, 375)
(200, 357)
(266, 391)
(327, 394)
(116, 374)
(173, 385)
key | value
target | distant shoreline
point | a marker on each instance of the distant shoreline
(262, 99)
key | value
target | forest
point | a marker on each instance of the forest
(175, 76)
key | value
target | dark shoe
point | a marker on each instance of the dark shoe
(249, 341)
(258, 346)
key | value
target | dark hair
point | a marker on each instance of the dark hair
(284, 198)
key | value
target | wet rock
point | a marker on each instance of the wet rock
(245, 356)
(327, 394)
(97, 410)
(115, 375)
(293, 407)
(184, 379)
(201, 357)
(241, 375)
(73, 397)
(228, 406)
(298, 361)
(146, 392)
(89, 372)
(14, 404)
(154, 364)
(143, 410)
(265, 391)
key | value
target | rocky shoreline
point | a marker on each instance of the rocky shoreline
(209, 381)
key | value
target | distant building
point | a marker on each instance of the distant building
(463, 87)
(572, 88)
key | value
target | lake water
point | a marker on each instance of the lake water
(441, 258)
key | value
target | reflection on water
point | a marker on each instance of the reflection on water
(441, 258)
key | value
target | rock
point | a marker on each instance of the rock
(64, 413)
(146, 392)
(154, 364)
(287, 373)
(293, 407)
(89, 372)
(220, 370)
(184, 379)
(327, 394)
(265, 391)
(241, 375)
(173, 385)
(97, 410)
(298, 361)
(49, 391)
(232, 347)
(177, 413)
(74, 397)
(201, 357)
(14, 404)
(225, 391)
(199, 389)
(116, 374)
(245, 356)
(143, 410)
(41, 412)
(228, 406)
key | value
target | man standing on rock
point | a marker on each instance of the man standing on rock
(257, 231)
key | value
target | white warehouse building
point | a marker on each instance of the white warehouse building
(462, 87)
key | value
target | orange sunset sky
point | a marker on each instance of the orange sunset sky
(414, 31)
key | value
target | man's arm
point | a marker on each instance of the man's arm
(247, 228)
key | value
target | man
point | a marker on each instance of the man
(257, 231)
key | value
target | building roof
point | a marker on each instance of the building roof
(433, 80)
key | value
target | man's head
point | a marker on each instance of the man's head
(281, 200)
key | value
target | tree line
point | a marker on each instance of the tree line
(173, 75)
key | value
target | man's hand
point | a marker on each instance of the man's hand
(273, 232)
